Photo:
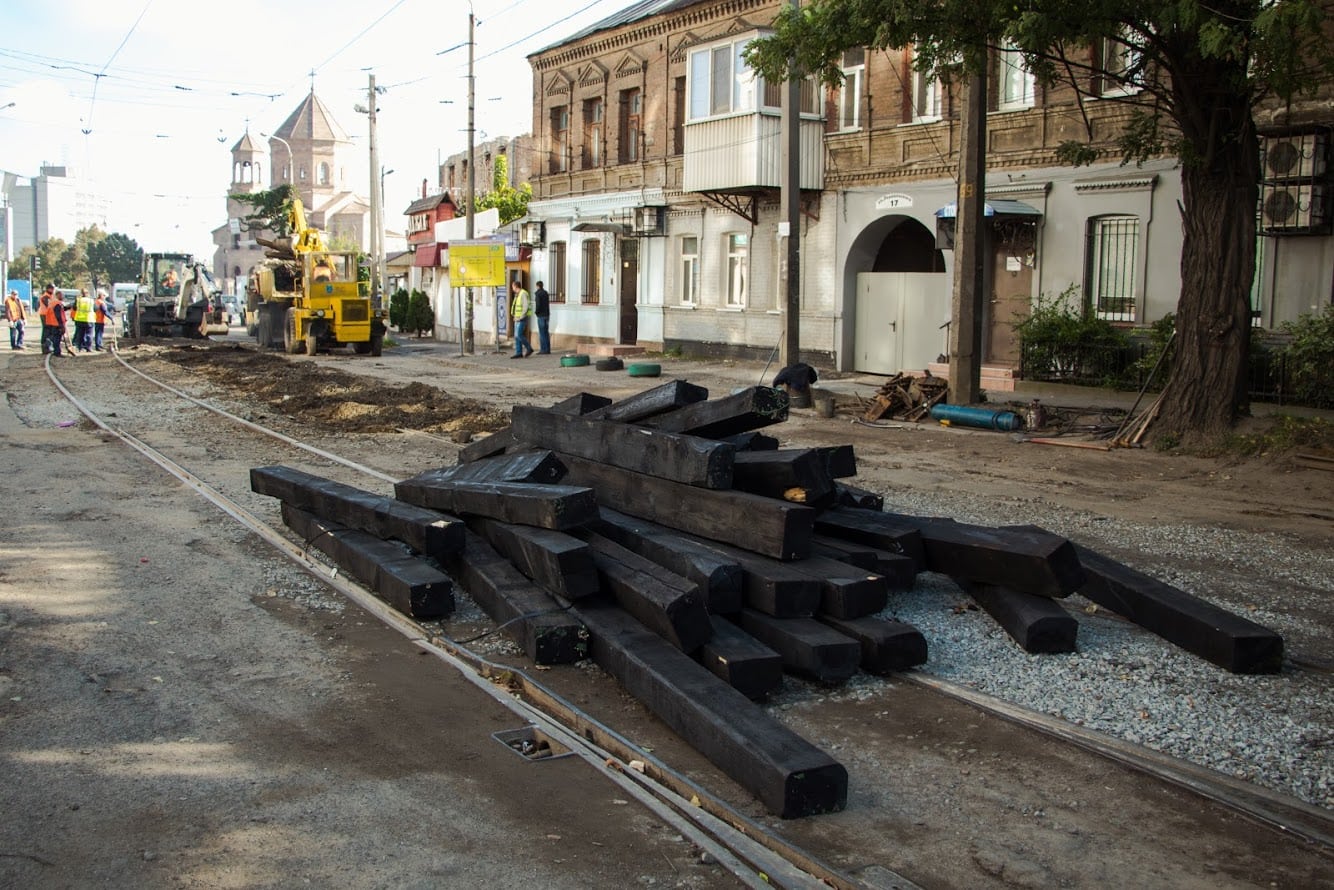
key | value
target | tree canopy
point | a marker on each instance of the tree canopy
(113, 258)
(1194, 73)
(269, 209)
(510, 201)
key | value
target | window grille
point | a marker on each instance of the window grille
(1111, 257)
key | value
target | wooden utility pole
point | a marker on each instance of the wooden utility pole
(790, 186)
(377, 218)
(969, 239)
(469, 341)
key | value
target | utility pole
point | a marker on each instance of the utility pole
(969, 238)
(469, 341)
(377, 225)
(790, 187)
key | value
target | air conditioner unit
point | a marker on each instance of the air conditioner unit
(1301, 156)
(1294, 206)
(647, 221)
(533, 234)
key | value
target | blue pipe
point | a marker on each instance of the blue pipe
(983, 418)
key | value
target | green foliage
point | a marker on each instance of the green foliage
(1060, 342)
(62, 264)
(113, 258)
(421, 317)
(511, 202)
(1282, 433)
(1310, 357)
(398, 309)
(270, 209)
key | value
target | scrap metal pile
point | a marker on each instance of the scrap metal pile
(697, 561)
(906, 397)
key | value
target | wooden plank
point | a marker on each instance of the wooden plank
(773, 587)
(1220, 637)
(762, 525)
(799, 475)
(741, 661)
(1038, 624)
(877, 529)
(750, 409)
(405, 582)
(558, 563)
(790, 777)
(503, 439)
(807, 647)
(1027, 560)
(900, 571)
(845, 591)
(540, 467)
(686, 459)
(425, 531)
(719, 578)
(665, 603)
(886, 645)
(558, 507)
(545, 630)
(652, 402)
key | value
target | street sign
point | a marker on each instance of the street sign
(476, 263)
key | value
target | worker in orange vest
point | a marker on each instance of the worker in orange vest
(44, 305)
(101, 312)
(17, 317)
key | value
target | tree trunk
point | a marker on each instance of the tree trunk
(1207, 388)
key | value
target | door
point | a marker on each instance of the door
(1011, 297)
(629, 290)
(899, 317)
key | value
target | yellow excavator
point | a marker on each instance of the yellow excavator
(305, 297)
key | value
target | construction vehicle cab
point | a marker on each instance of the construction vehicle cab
(176, 297)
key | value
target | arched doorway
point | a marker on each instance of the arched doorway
(897, 282)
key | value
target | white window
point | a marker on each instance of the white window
(1017, 85)
(1110, 261)
(850, 94)
(720, 81)
(737, 250)
(1119, 63)
(927, 97)
(689, 286)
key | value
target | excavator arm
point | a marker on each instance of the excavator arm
(305, 239)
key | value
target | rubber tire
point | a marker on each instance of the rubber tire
(573, 361)
(291, 345)
(361, 348)
(610, 364)
(377, 344)
(645, 369)
(312, 344)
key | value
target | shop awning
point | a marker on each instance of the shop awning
(993, 208)
(427, 256)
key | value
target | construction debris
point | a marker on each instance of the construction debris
(906, 397)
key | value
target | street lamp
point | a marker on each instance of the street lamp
(290, 174)
(380, 259)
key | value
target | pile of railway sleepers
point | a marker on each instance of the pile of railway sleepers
(698, 561)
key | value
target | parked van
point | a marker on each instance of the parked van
(122, 293)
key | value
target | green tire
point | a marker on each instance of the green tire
(573, 361)
(645, 369)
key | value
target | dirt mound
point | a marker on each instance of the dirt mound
(333, 399)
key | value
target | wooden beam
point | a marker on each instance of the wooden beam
(790, 776)
(652, 402)
(845, 591)
(540, 467)
(886, 645)
(751, 441)
(750, 409)
(807, 647)
(1038, 624)
(686, 459)
(502, 440)
(665, 603)
(877, 529)
(840, 461)
(558, 563)
(851, 496)
(558, 507)
(545, 630)
(800, 475)
(741, 661)
(900, 571)
(773, 587)
(762, 525)
(719, 577)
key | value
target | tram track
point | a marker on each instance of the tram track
(784, 863)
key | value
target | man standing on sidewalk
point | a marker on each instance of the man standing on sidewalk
(521, 310)
(18, 319)
(542, 312)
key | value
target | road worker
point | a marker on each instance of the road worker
(84, 310)
(102, 311)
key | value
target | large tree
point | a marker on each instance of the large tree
(510, 201)
(113, 258)
(1196, 73)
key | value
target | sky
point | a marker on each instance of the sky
(146, 98)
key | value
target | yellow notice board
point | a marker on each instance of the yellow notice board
(476, 263)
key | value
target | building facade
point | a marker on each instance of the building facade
(656, 216)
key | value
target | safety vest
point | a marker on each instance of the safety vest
(13, 308)
(101, 309)
(520, 308)
(83, 308)
(44, 310)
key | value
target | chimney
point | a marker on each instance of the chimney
(423, 186)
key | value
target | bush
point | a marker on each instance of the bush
(421, 317)
(1310, 357)
(1060, 343)
(398, 309)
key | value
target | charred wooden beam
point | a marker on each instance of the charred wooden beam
(845, 592)
(886, 645)
(1039, 624)
(400, 579)
(425, 531)
(686, 459)
(877, 529)
(741, 661)
(1218, 636)
(750, 409)
(665, 603)
(840, 461)
(799, 475)
(752, 441)
(538, 467)
(719, 577)
(900, 571)
(807, 647)
(558, 563)
(651, 402)
(852, 496)
(762, 525)
(503, 439)
(547, 632)
(773, 587)
(790, 776)
(558, 507)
